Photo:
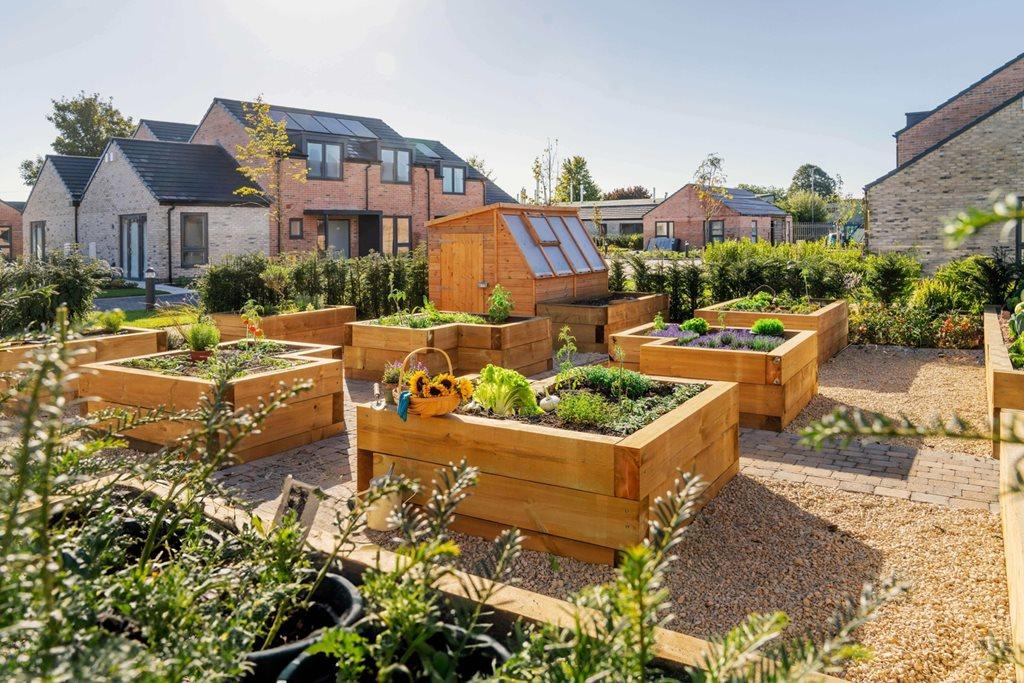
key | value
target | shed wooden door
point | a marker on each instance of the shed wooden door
(462, 271)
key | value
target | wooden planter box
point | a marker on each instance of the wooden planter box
(630, 341)
(831, 322)
(132, 341)
(572, 493)
(324, 326)
(312, 415)
(522, 344)
(1004, 385)
(593, 325)
(773, 387)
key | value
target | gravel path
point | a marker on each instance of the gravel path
(920, 383)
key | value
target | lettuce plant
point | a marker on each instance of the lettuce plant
(505, 392)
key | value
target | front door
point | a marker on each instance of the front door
(338, 230)
(369, 235)
(462, 273)
(133, 246)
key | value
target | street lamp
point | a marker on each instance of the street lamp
(150, 288)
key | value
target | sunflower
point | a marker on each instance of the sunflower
(418, 382)
(447, 381)
(465, 389)
(435, 390)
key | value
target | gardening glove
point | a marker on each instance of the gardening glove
(403, 405)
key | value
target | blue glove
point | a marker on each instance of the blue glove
(403, 405)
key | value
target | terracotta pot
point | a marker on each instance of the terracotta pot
(198, 356)
(389, 393)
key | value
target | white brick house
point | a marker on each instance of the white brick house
(50, 220)
(170, 206)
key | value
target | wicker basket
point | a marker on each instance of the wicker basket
(433, 406)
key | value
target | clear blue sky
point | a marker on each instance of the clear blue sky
(643, 90)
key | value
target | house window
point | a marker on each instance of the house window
(323, 160)
(397, 234)
(453, 180)
(753, 231)
(295, 228)
(631, 228)
(6, 242)
(195, 242)
(664, 228)
(394, 165)
(37, 240)
(716, 231)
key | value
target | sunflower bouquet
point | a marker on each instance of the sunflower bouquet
(421, 394)
(422, 385)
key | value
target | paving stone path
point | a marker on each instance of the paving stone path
(947, 479)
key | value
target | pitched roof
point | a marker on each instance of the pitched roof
(379, 129)
(914, 118)
(492, 193)
(495, 195)
(17, 206)
(616, 209)
(73, 171)
(185, 173)
(168, 131)
(925, 152)
(747, 203)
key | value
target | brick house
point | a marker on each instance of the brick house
(10, 228)
(168, 205)
(163, 131)
(618, 216)
(368, 187)
(51, 218)
(949, 158)
(739, 213)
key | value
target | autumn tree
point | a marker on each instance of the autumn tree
(262, 159)
(575, 182)
(634, 192)
(480, 164)
(710, 179)
(813, 179)
(84, 123)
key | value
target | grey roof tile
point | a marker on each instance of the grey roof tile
(382, 130)
(74, 171)
(17, 206)
(168, 131)
(746, 203)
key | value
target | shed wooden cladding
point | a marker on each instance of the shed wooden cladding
(312, 415)
(324, 326)
(538, 253)
(831, 322)
(572, 493)
(774, 386)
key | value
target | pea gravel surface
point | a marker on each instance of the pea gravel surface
(923, 384)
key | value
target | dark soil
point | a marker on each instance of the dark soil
(608, 299)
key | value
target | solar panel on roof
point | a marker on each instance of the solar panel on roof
(333, 125)
(308, 123)
(585, 244)
(576, 258)
(426, 151)
(357, 128)
(531, 252)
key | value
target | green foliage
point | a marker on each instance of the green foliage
(768, 326)
(566, 349)
(499, 304)
(428, 316)
(633, 242)
(111, 321)
(935, 296)
(900, 325)
(68, 280)
(574, 173)
(811, 178)
(202, 336)
(807, 206)
(659, 322)
(632, 192)
(685, 288)
(616, 275)
(698, 325)
(613, 382)
(585, 409)
(890, 277)
(505, 392)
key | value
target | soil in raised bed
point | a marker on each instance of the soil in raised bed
(264, 357)
(604, 300)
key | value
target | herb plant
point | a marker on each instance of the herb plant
(698, 325)
(585, 409)
(111, 321)
(499, 304)
(202, 336)
(769, 326)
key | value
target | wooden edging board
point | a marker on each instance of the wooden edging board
(1011, 510)
(574, 493)
(774, 386)
(831, 322)
(522, 344)
(594, 324)
(312, 415)
(323, 326)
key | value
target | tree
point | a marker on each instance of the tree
(806, 207)
(84, 124)
(811, 178)
(711, 191)
(844, 207)
(478, 162)
(634, 192)
(574, 178)
(778, 193)
(544, 168)
(261, 159)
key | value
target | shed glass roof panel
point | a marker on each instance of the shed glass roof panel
(530, 250)
(568, 244)
(585, 244)
(543, 230)
(558, 261)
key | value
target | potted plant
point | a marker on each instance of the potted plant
(201, 339)
(393, 375)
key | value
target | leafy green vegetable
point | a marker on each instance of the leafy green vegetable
(505, 392)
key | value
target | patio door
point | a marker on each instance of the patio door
(133, 246)
(337, 237)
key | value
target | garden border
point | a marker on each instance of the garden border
(594, 324)
(323, 326)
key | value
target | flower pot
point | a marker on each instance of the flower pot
(482, 656)
(199, 356)
(336, 602)
(389, 392)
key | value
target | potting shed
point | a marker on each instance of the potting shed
(538, 253)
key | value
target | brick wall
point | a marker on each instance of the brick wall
(976, 102)
(50, 202)
(142, 132)
(116, 190)
(10, 218)
(907, 210)
(684, 209)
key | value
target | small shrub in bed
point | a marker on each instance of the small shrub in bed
(769, 326)
(68, 280)
(890, 277)
(698, 325)
(111, 321)
(499, 305)
(585, 409)
(611, 381)
(739, 340)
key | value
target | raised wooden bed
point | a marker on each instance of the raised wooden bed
(323, 326)
(774, 386)
(312, 415)
(131, 341)
(831, 322)
(521, 344)
(594, 324)
(630, 341)
(572, 493)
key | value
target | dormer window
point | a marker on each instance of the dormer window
(323, 160)
(394, 165)
(453, 180)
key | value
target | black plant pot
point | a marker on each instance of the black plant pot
(486, 655)
(335, 602)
